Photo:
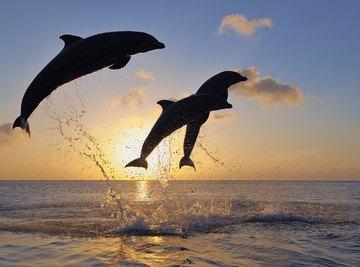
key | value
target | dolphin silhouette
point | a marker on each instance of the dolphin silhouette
(217, 85)
(174, 116)
(80, 57)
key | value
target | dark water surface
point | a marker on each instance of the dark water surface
(184, 223)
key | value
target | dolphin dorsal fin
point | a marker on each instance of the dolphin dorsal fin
(70, 39)
(165, 104)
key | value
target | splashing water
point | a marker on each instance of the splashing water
(172, 215)
(307, 228)
(164, 159)
(207, 152)
(69, 125)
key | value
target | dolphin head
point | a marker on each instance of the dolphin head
(231, 77)
(143, 42)
(149, 45)
(219, 83)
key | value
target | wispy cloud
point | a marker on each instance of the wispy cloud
(131, 97)
(7, 135)
(241, 25)
(145, 75)
(268, 91)
(223, 116)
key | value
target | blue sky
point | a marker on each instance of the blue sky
(313, 45)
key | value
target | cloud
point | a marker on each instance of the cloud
(268, 91)
(223, 116)
(145, 75)
(7, 134)
(131, 97)
(241, 25)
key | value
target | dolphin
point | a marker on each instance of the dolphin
(217, 85)
(81, 56)
(174, 116)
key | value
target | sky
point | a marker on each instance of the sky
(297, 116)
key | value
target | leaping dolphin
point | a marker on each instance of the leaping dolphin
(217, 85)
(174, 116)
(80, 57)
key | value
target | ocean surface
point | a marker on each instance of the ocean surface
(179, 223)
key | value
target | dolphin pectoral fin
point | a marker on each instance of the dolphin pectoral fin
(165, 104)
(122, 63)
(186, 161)
(70, 39)
(22, 123)
(140, 162)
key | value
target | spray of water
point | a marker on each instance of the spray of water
(76, 139)
(164, 159)
(211, 154)
(172, 215)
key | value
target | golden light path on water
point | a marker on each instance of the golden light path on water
(142, 190)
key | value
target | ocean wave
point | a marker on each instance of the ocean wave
(281, 217)
(138, 227)
(39, 206)
(192, 225)
(178, 217)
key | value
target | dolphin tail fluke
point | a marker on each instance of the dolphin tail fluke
(22, 123)
(186, 161)
(140, 162)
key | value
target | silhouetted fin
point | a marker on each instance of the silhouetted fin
(122, 63)
(70, 39)
(165, 104)
(140, 162)
(22, 123)
(186, 161)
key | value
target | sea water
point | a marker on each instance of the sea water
(185, 223)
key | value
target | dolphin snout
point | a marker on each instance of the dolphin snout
(228, 105)
(160, 45)
(241, 78)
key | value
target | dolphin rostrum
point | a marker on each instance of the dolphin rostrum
(80, 57)
(174, 116)
(217, 85)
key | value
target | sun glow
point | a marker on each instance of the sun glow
(129, 148)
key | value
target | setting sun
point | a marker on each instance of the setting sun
(179, 133)
(129, 148)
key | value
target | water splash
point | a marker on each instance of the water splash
(164, 159)
(280, 217)
(76, 139)
(210, 154)
(170, 215)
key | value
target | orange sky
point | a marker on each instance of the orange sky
(297, 117)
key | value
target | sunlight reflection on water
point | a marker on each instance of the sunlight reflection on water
(142, 190)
